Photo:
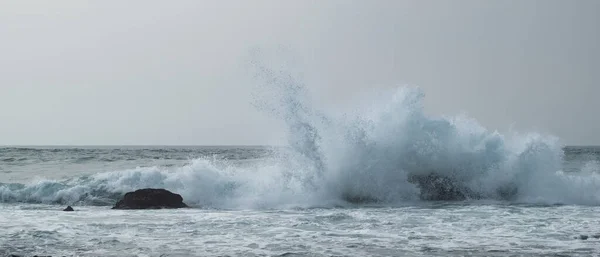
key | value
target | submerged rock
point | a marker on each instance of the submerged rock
(150, 198)
(69, 208)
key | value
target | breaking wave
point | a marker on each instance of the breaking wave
(386, 151)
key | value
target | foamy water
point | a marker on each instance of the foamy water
(439, 229)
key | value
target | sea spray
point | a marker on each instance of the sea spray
(372, 154)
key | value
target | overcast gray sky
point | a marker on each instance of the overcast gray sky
(171, 72)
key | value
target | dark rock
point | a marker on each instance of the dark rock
(596, 236)
(69, 208)
(434, 187)
(583, 237)
(150, 198)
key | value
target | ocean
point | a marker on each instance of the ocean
(384, 179)
(238, 210)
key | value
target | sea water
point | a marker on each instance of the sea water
(237, 213)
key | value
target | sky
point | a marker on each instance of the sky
(173, 72)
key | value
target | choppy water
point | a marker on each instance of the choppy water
(420, 230)
(383, 179)
(92, 178)
(435, 229)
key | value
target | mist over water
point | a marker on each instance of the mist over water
(385, 150)
(373, 152)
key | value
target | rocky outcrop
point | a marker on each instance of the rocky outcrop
(69, 208)
(150, 198)
(434, 187)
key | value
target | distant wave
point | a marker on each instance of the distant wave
(30, 156)
(386, 152)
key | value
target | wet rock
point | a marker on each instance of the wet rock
(596, 236)
(583, 237)
(150, 198)
(69, 208)
(435, 187)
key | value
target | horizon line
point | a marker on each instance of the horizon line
(184, 145)
(87, 145)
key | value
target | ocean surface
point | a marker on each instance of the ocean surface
(381, 178)
(238, 210)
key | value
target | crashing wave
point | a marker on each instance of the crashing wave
(388, 152)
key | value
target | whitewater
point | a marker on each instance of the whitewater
(380, 179)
